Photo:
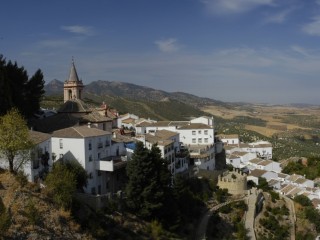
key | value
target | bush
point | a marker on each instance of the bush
(79, 172)
(32, 213)
(5, 221)
(21, 178)
(156, 230)
(303, 200)
(61, 185)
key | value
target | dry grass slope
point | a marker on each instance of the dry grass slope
(32, 215)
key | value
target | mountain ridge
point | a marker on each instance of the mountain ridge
(133, 91)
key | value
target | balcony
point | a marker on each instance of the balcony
(111, 163)
(200, 150)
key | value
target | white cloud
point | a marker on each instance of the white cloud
(167, 45)
(223, 7)
(313, 28)
(84, 30)
(300, 50)
(279, 17)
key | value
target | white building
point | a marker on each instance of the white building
(41, 157)
(229, 139)
(127, 120)
(196, 133)
(169, 144)
(204, 120)
(92, 148)
(262, 148)
(36, 162)
(256, 173)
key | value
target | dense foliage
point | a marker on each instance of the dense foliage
(153, 194)
(309, 212)
(61, 184)
(18, 90)
(148, 182)
(5, 220)
(311, 170)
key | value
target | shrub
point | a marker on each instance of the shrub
(61, 185)
(5, 221)
(303, 200)
(21, 178)
(32, 213)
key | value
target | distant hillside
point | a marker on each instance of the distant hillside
(132, 91)
(54, 87)
(143, 101)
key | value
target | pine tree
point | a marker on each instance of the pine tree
(149, 181)
(16, 90)
(5, 99)
(18, 78)
(34, 92)
(136, 174)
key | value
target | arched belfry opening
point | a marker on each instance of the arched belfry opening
(72, 86)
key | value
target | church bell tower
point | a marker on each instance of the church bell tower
(73, 86)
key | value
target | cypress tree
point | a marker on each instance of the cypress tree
(5, 96)
(17, 91)
(149, 182)
(34, 92)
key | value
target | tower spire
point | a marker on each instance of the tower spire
(73, 77)
(73, 86)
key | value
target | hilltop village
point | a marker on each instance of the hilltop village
(102, 141)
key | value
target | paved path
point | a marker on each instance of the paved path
(202, 227)
(292, 216)
(249, 217)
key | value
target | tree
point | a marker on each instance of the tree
(35, 92)
(5, 100)
(61, 184)
(79, 172)
(17, 90)
(15, 142)
(148, 182)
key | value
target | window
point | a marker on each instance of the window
(60, 143)
(93, 191)
(99, 155)
(90, 158)
(90, 176)
(194, 140)
(206, 140)
(90, 145)
(61, 156)
(100, 145)
(99, 189)
(193, 132)
(199, 140)
(205, 132)
(99, 173)
(199, 131)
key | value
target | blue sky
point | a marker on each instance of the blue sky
(259, 51)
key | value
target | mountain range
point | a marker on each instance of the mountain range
(132, 91)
